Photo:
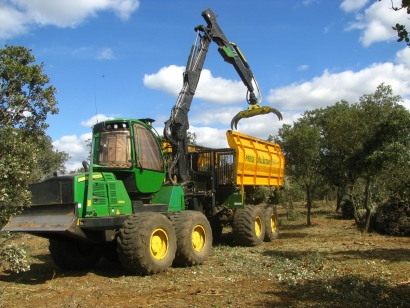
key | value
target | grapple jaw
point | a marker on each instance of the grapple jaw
(252, 111)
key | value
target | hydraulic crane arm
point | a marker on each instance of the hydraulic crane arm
(232, 54)
(229, 51)
(176, 126)
(175, 130)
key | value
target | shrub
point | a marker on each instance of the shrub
(12, 256)
(393, 217)
(261, 194)
(294, 215)
(347, 209)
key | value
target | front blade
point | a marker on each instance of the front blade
(44, 218)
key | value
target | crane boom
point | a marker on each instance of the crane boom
(175, 131)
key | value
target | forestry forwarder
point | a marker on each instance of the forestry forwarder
(151, 203)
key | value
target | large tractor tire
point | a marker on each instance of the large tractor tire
(74, 255)
(248, 226)
(271, 223)
(146, 243)
(194, 238)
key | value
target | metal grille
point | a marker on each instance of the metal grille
(220, 161)
(113, 193)
(225, 167)
(99, 194)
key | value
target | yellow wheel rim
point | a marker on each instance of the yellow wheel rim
(198, 238)
(159, 244)
(273, 223)
(258, 226)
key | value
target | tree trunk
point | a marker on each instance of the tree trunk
(289, 209)
(308, 205)
(367, 205)
(339, 197)
(352, 199)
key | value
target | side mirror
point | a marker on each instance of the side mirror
(86, 166)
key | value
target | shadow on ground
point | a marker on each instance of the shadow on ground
(40, 273)
(346, 291)
(391, 255)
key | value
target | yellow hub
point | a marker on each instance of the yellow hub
(258, 226)
(272, 223)
(159, 244)
(198, 238)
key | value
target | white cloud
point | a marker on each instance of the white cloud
(18, 16)
(224, 91)
(291, 100)
(352, 5)
(262, 126)
(76, 147)
(168, 79)
(105, 54)
(95, 119)
(12, 22)
(124, 8)
(330, 88)
(303, 67)
(403, 57)
(210, 137)
(213, 115)
(377, 22)
(307, 2)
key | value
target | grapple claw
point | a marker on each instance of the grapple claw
(252, 111)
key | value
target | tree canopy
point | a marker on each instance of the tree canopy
(25, 100)
(300, 144)
(353, 147)
(26, 153)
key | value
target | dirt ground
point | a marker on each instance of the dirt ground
(329, 264)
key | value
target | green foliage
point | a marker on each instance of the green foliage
(300, 144)
(78, 170)
(89, 144)
(401, 29)
(17, 157)
(49, 160)
(402, 33)
(348, 209)
(25, 101)
(363, 149)
(393, 217)
(26, 153)
(293, 214)
(261, 194)
(387, 123)
(12, 256)
(292, 192)
(191, 138)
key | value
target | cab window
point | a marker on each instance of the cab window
(147, 149)
(114, 149)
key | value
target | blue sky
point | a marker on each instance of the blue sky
(125, 58)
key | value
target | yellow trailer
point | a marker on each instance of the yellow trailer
(258, 162)
(220, 179)
(226, 174)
